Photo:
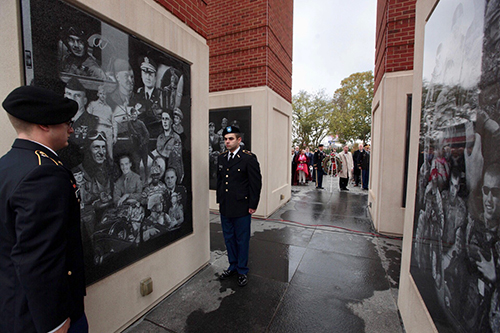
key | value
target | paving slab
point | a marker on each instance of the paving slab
(316, 265)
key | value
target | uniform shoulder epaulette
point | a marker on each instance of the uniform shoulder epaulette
(41, 155)
(224, 152)
(248, 152)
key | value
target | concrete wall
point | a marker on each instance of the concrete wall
(388, 151)
(271, 133)
(414, 313)
(115, 302)
(10, 65)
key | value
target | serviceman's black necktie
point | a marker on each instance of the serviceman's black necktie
(231, 156)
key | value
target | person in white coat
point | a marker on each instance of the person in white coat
(347, 168)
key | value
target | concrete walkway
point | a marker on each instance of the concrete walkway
(315, 266)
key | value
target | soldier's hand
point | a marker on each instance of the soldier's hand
(251, 211)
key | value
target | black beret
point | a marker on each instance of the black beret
(230, 129)
(39, 106)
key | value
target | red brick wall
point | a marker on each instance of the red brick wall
(395, 37)
(280, 47)
(250, 41)
(191, 12)
(251, 45)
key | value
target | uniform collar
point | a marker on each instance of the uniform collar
(236, 151)
(149, 91)
(41, 144)
(33, 145)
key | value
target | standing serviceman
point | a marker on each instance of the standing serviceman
(356, 158)
(318, 166)
(364, 162)
(238, 192)
(42, 282)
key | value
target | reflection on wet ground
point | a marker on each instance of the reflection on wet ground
(316, 265)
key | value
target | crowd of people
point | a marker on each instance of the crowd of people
(307, 166)
(456, 224)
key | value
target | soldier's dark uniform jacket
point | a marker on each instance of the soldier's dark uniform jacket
(41, 258)
(150, 110)
(238, 183)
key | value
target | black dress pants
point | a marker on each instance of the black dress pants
(343, 182)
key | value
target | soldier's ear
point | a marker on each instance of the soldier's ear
(44, 128)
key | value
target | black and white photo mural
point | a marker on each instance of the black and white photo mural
(456, 240)
(220, 119)
(130, 152)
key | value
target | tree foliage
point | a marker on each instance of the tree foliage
(311, 118)
(351, 117)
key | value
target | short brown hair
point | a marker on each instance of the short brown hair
(237, 135)
(20, 125)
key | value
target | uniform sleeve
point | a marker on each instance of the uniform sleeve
(145, 134)
(42, 207)
(118, 190)
(138, 189)
(255, 182)
(219, 180)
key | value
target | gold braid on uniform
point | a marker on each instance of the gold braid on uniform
(41, 154)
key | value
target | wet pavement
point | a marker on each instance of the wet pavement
(316, 265)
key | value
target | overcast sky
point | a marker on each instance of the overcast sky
(332, 39)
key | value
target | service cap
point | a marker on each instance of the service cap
(121, 65)
(75, 84)
(230, 129)
(178, 112)
(39, 106)
(148, 64)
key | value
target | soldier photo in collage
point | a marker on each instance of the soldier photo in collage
(220, 119)
(130, 149)
(456, 244)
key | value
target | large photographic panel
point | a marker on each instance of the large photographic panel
(130, 151)
(456, 240)
(219, 119)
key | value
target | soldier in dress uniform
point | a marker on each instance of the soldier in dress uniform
(150, 97)
(238, 192)
(318, 166)
(83, 124)
(42, 282)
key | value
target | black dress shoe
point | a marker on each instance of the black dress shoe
(242, 280)
(227, 273)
